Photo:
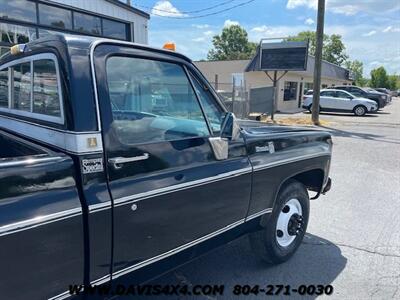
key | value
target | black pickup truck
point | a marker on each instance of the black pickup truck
(117, 159)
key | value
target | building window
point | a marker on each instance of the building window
(114, 29)
(307, 86)
(20, 10)
(55, 16)
(16, 34)
(290, 91)
(87, 23)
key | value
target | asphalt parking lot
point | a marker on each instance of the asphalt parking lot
(353, 239)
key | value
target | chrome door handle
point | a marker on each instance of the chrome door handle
(117, 161)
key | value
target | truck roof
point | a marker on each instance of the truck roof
(80, 42)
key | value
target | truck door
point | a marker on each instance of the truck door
(169, 192)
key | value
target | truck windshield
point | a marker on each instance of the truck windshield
(152, 101)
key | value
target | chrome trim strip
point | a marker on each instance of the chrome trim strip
(96, 96)
(260, 213)
(176, 250)
(101, 280)
(179, 187)
(289, 160)
(29, 161)
(39, 221)
(99, 206)
(73, 142)
(61, 296)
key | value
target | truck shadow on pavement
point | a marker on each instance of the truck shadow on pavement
(317, 261)
(360, 135)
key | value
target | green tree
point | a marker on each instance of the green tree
(333, 49)
(356, 68)
(394, 82)
(232, 43)
(379, 78)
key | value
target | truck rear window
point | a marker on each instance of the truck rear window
(34, 91)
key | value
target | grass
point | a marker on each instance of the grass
(305, 121)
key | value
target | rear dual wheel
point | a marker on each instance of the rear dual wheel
(286, 226)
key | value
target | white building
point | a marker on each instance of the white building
(291, 87)
(25, 20)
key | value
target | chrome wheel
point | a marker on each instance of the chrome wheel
(290, 223)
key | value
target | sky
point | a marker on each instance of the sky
(370, 29)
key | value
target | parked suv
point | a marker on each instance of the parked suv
(380, 98)
(341, 101)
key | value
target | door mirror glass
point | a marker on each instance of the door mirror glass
(230, 128)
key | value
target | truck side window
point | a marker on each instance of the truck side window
(22, 86)
(45, 88)
(35, 89)
(4, 88)
(213, 112)
(152, 101)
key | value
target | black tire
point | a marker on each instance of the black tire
(310, 108)
(360, 110)
(265, 242)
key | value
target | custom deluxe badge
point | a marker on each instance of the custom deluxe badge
(93, 165)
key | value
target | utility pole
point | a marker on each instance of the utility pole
(318, 60)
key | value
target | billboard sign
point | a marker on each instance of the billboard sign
(283, 56)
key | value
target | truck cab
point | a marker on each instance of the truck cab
(117, 156)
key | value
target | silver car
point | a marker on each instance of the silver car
(341, 101)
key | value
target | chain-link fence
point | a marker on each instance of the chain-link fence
(235, 98)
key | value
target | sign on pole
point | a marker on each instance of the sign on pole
(284, 56)
(277, 54)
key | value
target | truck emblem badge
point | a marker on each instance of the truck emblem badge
(92, 142)
(93, 165)
(267, 148)
(271, 147)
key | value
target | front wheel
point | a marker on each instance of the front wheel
(360, 110)
(286, 226)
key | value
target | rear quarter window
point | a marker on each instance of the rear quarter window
(30, 87)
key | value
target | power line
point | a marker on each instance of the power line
(187, 12)
(209, 14)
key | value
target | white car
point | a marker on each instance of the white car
(341, 101)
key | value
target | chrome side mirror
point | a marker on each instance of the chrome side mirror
(230, 130)
(220, 147)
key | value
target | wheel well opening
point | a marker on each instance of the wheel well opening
(312, 179)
